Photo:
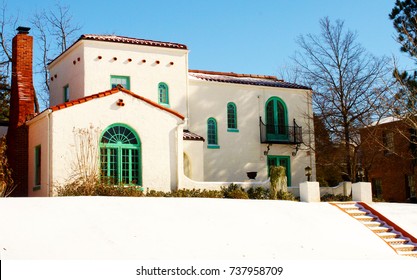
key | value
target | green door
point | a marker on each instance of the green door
(120, 155)
(281, 161)
(276, 120)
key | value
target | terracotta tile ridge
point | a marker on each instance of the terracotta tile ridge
(113, 91)
(125, 39)
(83, 99)
(237, 75)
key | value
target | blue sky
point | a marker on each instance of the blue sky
(240, 36)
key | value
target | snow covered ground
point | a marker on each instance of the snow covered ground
(127, 228)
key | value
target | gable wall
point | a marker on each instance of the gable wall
(155, 127)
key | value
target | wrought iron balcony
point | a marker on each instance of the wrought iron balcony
(280, 134)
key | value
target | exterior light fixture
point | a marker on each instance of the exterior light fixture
(308, 172)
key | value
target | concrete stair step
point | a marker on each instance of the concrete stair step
(405, 247)
(372, 223)
(365, 218)
(388, 235)
(408, 253)
(395, 241)
(380, 229)
(349, 206)
(356, 212)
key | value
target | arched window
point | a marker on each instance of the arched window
(276, 119)
(231, 117)
(163, 94)
(120, 155)
(212, 134)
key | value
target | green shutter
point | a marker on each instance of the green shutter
(37, 166)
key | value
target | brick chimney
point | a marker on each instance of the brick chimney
(22, 105)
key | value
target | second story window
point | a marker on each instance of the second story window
(124, 81)
(163, 94)
(231, 117)
(212, 141)
(66, 93)
(276, 119)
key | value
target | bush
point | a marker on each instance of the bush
(97, 188)
(197, 193)
(234, 191)
(6, 181)
(331, 197)
(281, 195)
(258, 193)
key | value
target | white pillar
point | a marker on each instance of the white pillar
(310, 192)
(362, 191)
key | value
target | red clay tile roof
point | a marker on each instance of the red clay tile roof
(246, 79)
(188, 135)
(128, 40)
(110, 92)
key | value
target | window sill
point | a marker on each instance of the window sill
(232, 130)
(165, 105)
(36, 188)
(213, 146)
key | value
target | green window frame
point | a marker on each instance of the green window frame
(163, 94)
(276, 116)
(124, 81)
(120, 156)
(232, 117)
(274, 160)
(38, 157)
(212, 138)
(66, 93)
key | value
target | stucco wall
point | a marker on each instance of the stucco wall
(38, 136)
(195, 152)
(156, 129)
(67, 70)
(241, 151)
(92, 74)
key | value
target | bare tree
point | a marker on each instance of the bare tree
(61, 26)
(54, 31)
(347, 82)
(6, 24)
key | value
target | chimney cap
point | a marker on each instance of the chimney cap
(23, 30)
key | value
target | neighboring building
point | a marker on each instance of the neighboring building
(389, 157)
(159, 124)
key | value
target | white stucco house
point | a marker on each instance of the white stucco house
(164, 126)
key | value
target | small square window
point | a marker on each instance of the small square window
(124, 81)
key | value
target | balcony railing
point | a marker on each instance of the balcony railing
(280, 134)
